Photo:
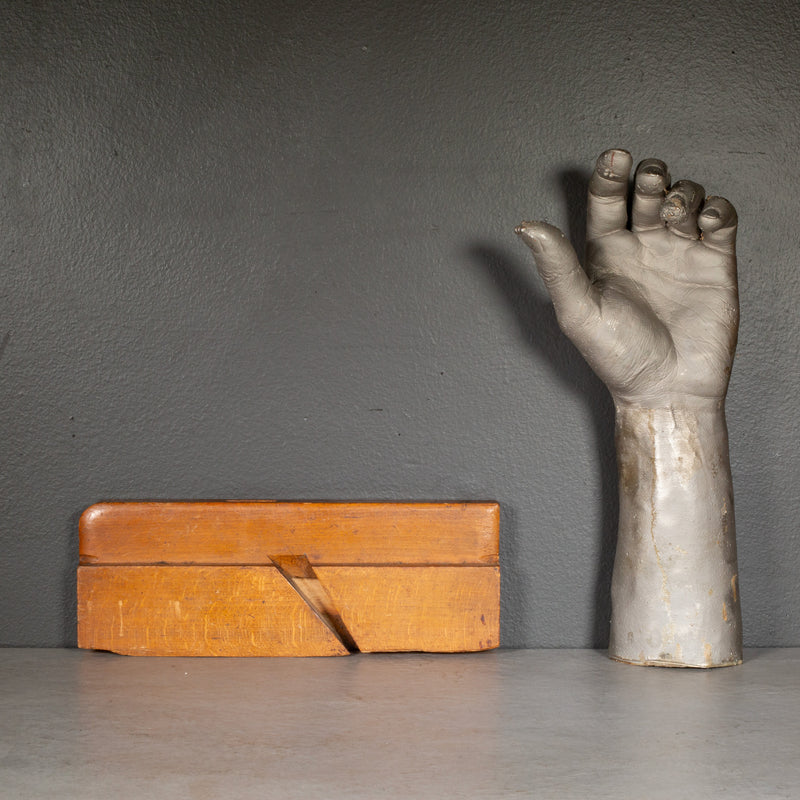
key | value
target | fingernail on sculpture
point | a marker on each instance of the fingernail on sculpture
(655, 312)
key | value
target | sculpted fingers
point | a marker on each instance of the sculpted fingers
(607, 209)
(574, 297)
(680, 208)
(718, 221)
(650, 184)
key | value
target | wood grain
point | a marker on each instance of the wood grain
(327, 533)
(436, 610)
(197, 611)
(265, 578)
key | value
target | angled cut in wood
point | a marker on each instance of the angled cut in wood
(288, 579)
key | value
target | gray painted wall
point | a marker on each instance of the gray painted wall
(265, 250)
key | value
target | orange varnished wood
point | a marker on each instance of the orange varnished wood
(265, 578)
(197, 611)
(327, 533)
(441, 609)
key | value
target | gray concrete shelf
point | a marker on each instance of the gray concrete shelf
(509, 723)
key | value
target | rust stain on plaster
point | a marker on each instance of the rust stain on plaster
(685, 441)
(725, 521)
(628, 461)
(668, 633)
(665, 594)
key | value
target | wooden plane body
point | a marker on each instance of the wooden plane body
(263, 578)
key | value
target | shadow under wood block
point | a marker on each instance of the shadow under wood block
(288, 579)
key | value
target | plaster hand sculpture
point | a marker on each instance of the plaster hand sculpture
(655, 313)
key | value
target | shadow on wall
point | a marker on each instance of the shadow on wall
(513, 277)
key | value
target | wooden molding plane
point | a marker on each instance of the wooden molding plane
(231, 578)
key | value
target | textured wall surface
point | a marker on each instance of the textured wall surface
(266, 250)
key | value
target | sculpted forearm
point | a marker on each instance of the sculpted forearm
(675, 596)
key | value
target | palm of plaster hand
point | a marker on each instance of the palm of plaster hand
(656, 311)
